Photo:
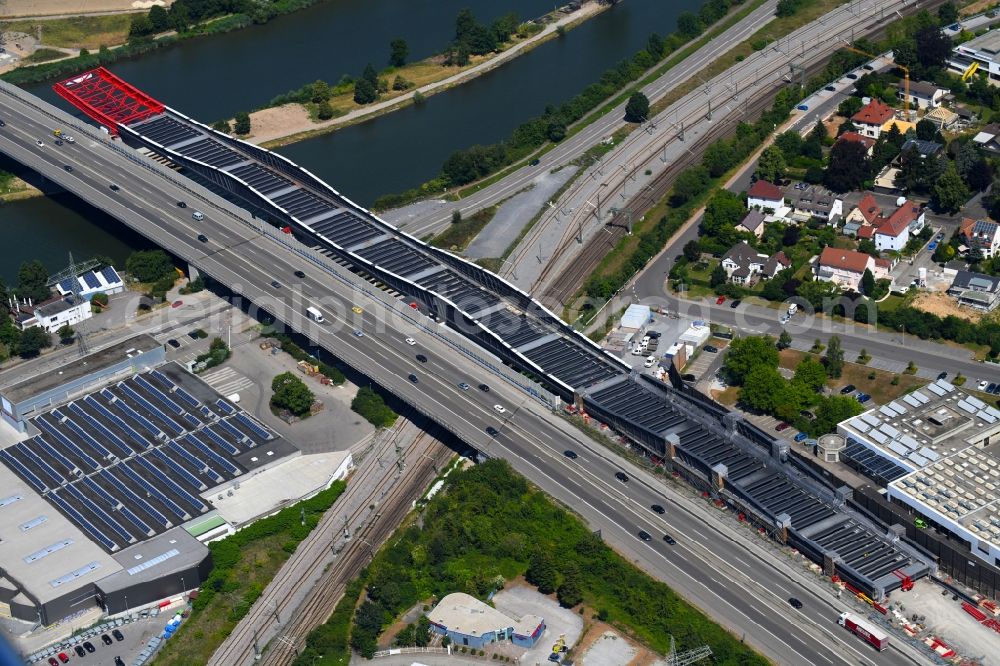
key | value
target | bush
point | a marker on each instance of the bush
(149, 265)
(372, 407)
(216, 354)
(291, 393)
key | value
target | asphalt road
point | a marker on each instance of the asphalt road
(704, 566)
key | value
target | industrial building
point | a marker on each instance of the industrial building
(107, 481)
(984, 50)
(467, 621)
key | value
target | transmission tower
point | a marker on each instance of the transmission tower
(688, 657)
(72, 271)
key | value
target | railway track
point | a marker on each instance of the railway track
(287, 590)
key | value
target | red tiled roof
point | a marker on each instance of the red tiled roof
(867, 141)
(875, 112)
(866, 232)
(782, 259)
(883, 263)
(899, 220)
(869, 208)
(765, 190)
(967, 224)
(848, 260)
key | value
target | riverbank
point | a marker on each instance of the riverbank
(13, 188)
(283, 125)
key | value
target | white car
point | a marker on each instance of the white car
(650, 360)
(983, 384)
(499, 408)
(411, 341)
(39, 142)
(69, 139)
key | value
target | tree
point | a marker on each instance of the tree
(834, 359)
(324, 111)
(810, 373)
(159, 19)
(370, 75)
(771, 165)
(637, 109)
(723, 211)
(834, 409)
(849, 166)
(65, 333)
(718, 158)
(692, 251)
(320, 92)
(745, 354)
(846, 126)
(784, 340)
(398, 51)
(180, 17)
(718, 276)
(149, 265)
(926, 130)
(242, 123)
(570, 593)
(867, 283)
(790, 143)
(222, 126)
(32, 277)
(541, 572)
(762, 388)
(691, 182)
(140, 27)
(950, 191)
(850, 106)
(790, 236)
(365, 92)
(655, 46)
(933, 47)
(556, 132)
(689, 25)
(947, 13)
(32, 341)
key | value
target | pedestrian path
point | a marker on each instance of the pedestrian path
(227, 381)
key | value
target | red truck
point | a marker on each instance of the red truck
(865, 629)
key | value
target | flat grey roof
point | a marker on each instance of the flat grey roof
(24, 381)
(174, 550)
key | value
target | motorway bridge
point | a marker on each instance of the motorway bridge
(696, 438)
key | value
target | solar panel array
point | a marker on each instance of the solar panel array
(130, 460)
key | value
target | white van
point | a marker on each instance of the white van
(315, 315)
(650, 360)
(792, 309)
(198, 215)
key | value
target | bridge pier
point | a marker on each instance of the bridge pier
(193, 273)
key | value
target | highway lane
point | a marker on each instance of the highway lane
(238, 255)
(563, 153)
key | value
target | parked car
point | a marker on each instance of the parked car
(851, 76)
(991, 388)
(711, 350)
(983, 384)
(80, 652)
(781, 426)
(63, 657)
(863, 398)
(106, 639)
(802, 107)
(735, 304)
(847, 389)
(173, 343)
(720, 300)
(53, 661)
(88, 646)
(932, 246)
(799, 437)
(942, 375)
(118, 635)
(830, 88)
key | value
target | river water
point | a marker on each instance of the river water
(217, 76)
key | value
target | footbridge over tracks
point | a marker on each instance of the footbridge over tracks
(700, 439)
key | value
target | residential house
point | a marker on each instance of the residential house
(981, 236)
(752, 222)
(53, 314)
(846, 267)
(775, 263)
(866, 212)
(872, 116)
(976, 290)
(766, 196)
(923, 95)
(924, 148)
(944, 119)
(903, 126)
(743, 264)
(854, 137)
(105, 281)
(966, 116)
(817, 202)
(988, 138)
(894, 232)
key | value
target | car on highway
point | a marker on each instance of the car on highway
(357, 309)
(735, 304)
(569, 453)
(173, 343)
(114, 187)
(534, 162)
(983, 384)
(118, 635)
(491, 431)
(781, 426)
(421, 358)
(656, 508)
(106, 639)
(203, 238)
(711, 350)
(300, 275)
(500, 409)
(40, 143)
(847, 389)
(275, 284)
(795, 603)
(3, 124)
(58, 142)
(181, 204)
(720, 300)
(413, 378)
(68, 168)
(198, 216)
(484, 388)
(410, 341)
(69, 139)
(358, 333)
(942, 375)
(463, 386)
(621, 476)
(669, 539)
(89, 647)
(799, 437)
(644, 535)
(80, 652)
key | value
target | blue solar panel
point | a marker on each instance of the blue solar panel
(208, 413)
(85, 436)
(44, 423)
(159, 395)
(146, 404)
(255, 427)
(68, 285)
(91, 280)
(30, 455)
(110, 275)
(232, 469)
(110, 501)
(220, 440)
(154, 491)
(136, 416)
(225, 406)
(192, 420)
(187, 397)
(163, 379)
(195, 462)
(100, 513)
(169, 483)
(26, 473)
(51, 451)
(176, 468)
(232, 430)
(124, 450)
(133, 498)
(114, 418)
(83, 522)
(115, 504)
(137, 521)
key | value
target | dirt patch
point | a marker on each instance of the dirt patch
(832, 124)
(74, 7)
(943, 305)
(976, 7)
(276, 121)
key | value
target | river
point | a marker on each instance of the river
(217, 76)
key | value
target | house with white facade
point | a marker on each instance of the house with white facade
(872, 116)
(846, 267)
(923, 95)
(743, 264)
(819, 203)
(104, 281)
(54, 313)
(766, 196)
(981, 236)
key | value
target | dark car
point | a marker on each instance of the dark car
(173, 343)
(781, 426)
(852, 77)
(89, 647)
(3, 124)
(68, 168)
(484, 388)
(669, 539)
(991, 388)
(421, 358)
(275, 284)
(621, 476)
(658, 509)
(492, 432)
(689, 377)
(534, 162)
(653, 334)
(847, 389)
(107, 639)
(119, 661)
(300, 275)
(943, 375)
(735, 304)
(805, 413)
(711, 350)
(795, 603)
(863, 398)
(181, 204)
(570, 454)
(118, 635)
(53, 661)
(59, 142)
(80, 652)
(644, 535)
(203, 238)
(413, 378)
(114, 188)
(830, 88)
(193, 334)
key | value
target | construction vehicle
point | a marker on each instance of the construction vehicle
(308, 368)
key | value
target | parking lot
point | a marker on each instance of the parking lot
(136, 631)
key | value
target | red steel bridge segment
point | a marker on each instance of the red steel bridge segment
(107, 99)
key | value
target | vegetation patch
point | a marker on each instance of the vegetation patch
(462, 231)
(369, 404)
(76, 32)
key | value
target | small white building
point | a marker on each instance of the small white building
(636, 316)
(54, 313)
(105, 281)
(923, 95)
(766, 196)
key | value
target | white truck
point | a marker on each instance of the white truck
(792, 309)
(315, 315)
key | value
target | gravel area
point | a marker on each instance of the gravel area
(609, 650)
(559, 621)
(947, 621)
